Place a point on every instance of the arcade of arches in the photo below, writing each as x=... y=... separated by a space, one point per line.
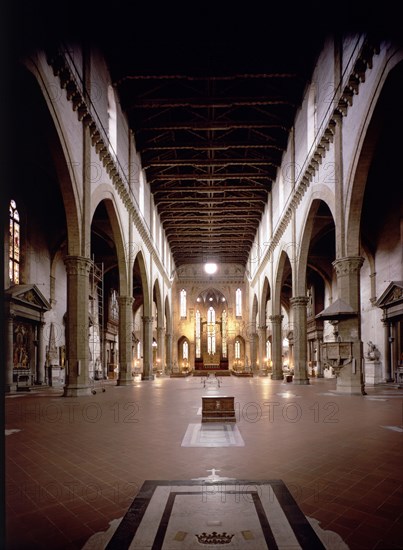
x=98 y=292
x=91 y=287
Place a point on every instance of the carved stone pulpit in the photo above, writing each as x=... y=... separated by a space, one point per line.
x=337 y=355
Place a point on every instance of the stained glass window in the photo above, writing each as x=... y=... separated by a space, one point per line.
x=198 y=334
x=237 y=349
x=185 y=352
x=224 y=333
x=14 y=244
x=238 y=302
x=211 y=330
x=114 y=306
x=183 y=302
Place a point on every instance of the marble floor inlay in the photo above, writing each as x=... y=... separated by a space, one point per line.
x=212 y=435
x=237 y=514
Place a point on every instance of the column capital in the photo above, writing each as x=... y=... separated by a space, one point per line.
x=147 y=319
x=347 y=265
x=276 y=318
x=125 y=301
x=299 y=301
x=77 y=265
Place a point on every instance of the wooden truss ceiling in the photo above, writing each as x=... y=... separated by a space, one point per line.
x=211 y=131
x=210 y=94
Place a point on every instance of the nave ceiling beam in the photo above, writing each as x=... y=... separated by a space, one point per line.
x=207 y=103
x=211 y=189
x=210 y=126
x=207 y=162
x=212 y=78
x=209 y=177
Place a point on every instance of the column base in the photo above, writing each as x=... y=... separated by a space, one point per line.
x=130 y=382
x=76 y=391
x=147 y=377
x=301 y=381
x=277 y=376
x=350 y=389
x=11 y=388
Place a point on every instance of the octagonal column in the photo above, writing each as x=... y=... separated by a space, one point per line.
x=262 y=347
x=298 y=304
x=147 y=348
x=161 y=348
x=350 y=379
x=168 y=353
x=77 y=326
x=277 y=347
x=125 y=340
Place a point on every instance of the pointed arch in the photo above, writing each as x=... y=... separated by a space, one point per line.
x=283 y=271
x=320 y=202
x=140 y=269
x=379 y=115
x=266 y=295
x=168 y=320
x=32 y=81
x=103 y=193
x=157 y=298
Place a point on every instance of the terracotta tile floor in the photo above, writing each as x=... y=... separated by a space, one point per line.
x=75 y=464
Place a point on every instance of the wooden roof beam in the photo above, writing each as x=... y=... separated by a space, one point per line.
x=222 y=163
x=207 y=103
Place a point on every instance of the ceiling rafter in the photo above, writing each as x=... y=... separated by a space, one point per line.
x=247 y=76
x=206 y=103
x=211 y=133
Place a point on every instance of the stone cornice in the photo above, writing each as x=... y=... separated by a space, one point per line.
x=362 y=63
x=80 y=104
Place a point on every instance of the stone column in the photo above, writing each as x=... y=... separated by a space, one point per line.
x=104 y=358
x=125 y=340
x=262 y=347
x=388 y=355
x=291 y=350
x=252 y=346
x=277 y=347
x=350 y=378
x=10 y=385
x=147 y=348
x=298 y=304
x=77 y=327
x=318 y=343
x=168 y=352
x=160 y=348
x=40 y=358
